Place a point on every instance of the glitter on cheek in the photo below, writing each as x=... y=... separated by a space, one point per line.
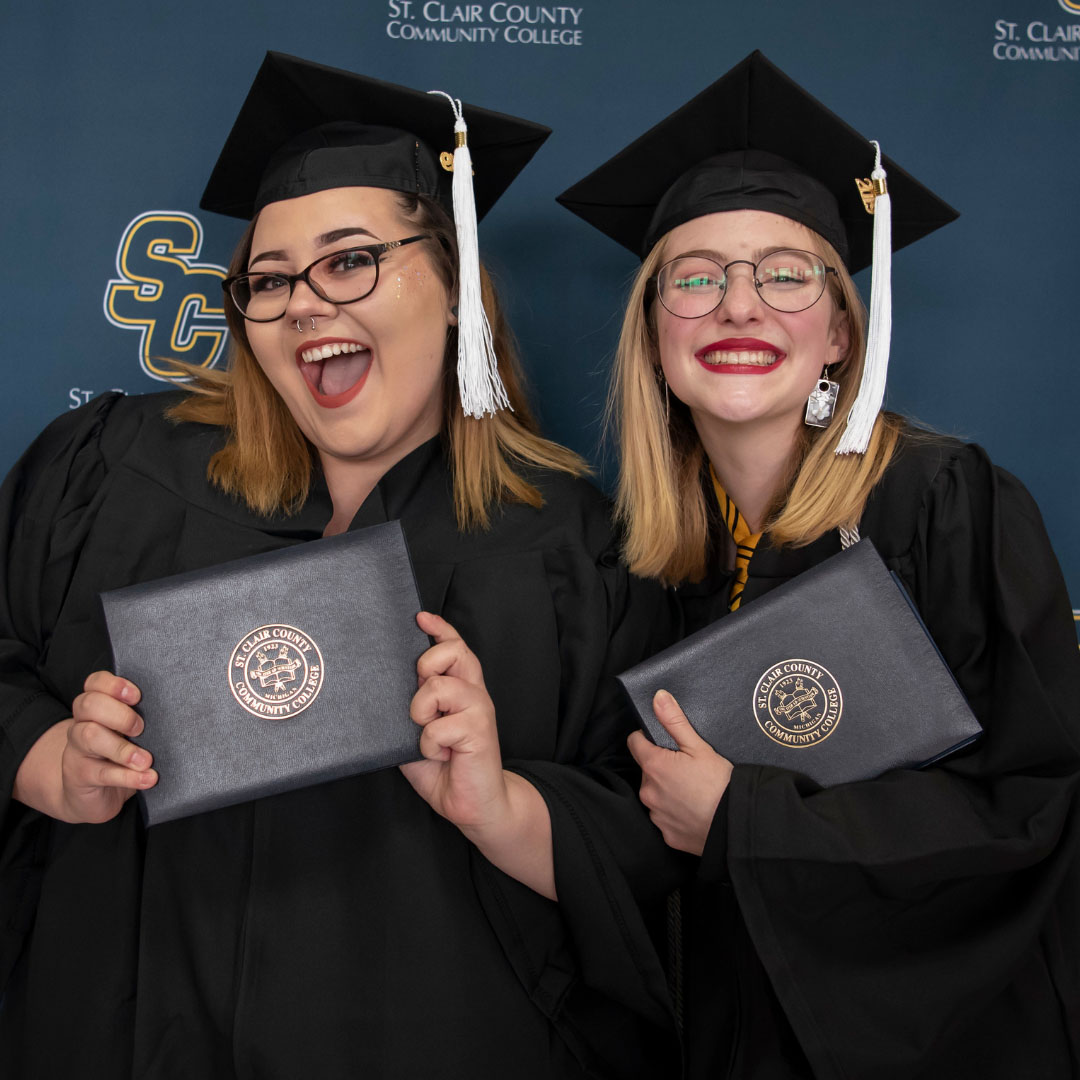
x=408 y=278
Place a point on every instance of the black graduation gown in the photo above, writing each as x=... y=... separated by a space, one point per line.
x=344 y=929
x=923 y=924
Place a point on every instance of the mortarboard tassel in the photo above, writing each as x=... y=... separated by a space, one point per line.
x=867 y=405
x=479 y=383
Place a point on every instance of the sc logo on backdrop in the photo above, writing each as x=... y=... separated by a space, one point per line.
x=174 y=301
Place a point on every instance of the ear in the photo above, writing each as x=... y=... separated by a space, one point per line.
x=839 y=337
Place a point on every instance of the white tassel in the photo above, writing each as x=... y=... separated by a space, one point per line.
x=479 y=383
x=867 y=405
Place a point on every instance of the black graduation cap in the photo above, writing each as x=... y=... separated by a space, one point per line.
x=753 y=140
x=305 y=127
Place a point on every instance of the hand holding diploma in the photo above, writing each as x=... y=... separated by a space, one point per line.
x=84 y=769
x=681 y=788
x=461 y=776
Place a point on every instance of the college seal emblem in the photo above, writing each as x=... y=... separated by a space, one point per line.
x=797 y=703
x=276 y=671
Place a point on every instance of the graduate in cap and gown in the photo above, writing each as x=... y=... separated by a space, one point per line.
x=403 y=923
x=923 y=924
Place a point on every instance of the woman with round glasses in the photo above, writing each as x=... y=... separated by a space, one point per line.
x=924 y=923
x=396 y=924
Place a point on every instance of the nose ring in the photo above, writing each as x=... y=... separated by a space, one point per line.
x=300 y=329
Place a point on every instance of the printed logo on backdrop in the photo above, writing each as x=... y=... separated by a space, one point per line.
x=484 y=24
x=164 y=293
x=1038 y=40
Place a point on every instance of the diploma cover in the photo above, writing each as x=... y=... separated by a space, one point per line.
x=272 y=672
x=832 y=675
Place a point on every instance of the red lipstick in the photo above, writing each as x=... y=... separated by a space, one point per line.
x=755 y=363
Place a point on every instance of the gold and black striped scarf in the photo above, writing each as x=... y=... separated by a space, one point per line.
x=745 y=540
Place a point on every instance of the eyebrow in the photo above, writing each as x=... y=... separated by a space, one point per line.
x=324 y=240
x=716 y=256
x=335 y=235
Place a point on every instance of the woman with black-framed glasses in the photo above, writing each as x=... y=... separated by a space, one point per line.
x=342 y=277
x=412 y=922
x=923 y=923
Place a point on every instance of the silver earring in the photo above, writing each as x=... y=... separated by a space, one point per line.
x=821 y=403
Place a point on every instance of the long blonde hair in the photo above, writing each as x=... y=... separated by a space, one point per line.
x=661 y=501
x=267 y=462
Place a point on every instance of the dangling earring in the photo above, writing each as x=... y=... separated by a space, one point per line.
x=822 y=401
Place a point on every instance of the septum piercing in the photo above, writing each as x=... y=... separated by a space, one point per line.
x=300 y=329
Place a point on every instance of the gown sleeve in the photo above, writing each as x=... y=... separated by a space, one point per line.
x=589 y=961
x=896 y=915
x=44 y=507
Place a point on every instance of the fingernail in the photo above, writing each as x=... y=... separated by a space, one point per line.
x=140 y=759
x=662 y=697
x=127 y=692
x=147 y=779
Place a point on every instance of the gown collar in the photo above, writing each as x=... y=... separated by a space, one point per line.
x=175 y=471
x=768 y=567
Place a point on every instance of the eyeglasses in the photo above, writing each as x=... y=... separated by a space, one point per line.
x=692 y=285
x=342 y=277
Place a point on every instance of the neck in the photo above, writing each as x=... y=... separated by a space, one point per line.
x=351 y=480
x=349 y=485
x=750 y=460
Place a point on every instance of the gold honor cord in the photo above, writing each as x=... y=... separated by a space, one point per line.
x=745 y=540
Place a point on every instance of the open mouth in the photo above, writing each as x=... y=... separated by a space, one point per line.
x=335 y=371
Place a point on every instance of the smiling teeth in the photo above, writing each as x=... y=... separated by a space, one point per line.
x=757 y=359
x=324 y=352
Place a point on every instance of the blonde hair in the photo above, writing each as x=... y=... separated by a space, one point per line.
x=266 y=461
x=661 y=501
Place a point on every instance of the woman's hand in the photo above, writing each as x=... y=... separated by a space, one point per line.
x=681 y=788
x=461 y=776
x=84 y=769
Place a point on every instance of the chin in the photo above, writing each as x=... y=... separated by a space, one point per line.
x=347 y=446
x=736 y=413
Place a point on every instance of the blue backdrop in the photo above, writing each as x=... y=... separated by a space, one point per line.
x=115 y=112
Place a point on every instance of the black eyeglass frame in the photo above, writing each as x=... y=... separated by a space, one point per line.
x=375 y=250
x=655 y=279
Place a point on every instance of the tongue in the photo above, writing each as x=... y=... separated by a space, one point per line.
x=341 y=373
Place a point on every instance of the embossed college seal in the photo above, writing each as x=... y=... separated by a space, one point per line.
x=797 y=703
x=276 y=671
